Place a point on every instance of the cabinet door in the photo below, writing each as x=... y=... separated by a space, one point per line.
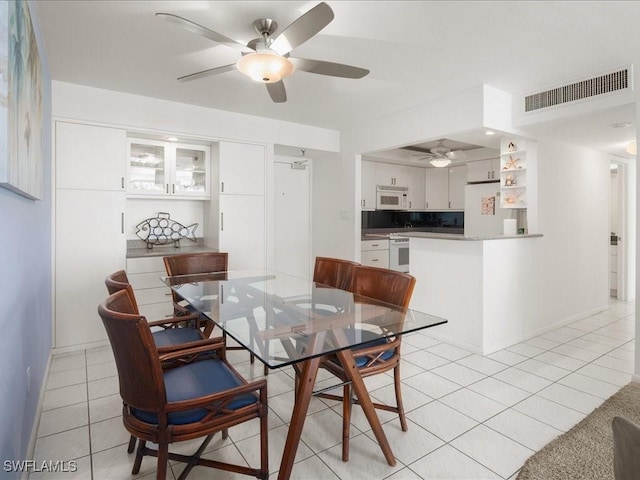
x=479 y=171
x=90 y=244
x=437 y=188
x=242 y=231
x=391 y=174
x=148 y=167
x=90 y=157
x=416 y=184
x=191 y=171
x=457 y=182
x=242 y=168
x=368 y=187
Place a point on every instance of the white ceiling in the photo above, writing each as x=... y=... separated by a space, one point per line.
x=416 y=51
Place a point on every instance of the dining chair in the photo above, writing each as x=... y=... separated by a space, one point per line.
x=334 y=272
x=193 y=263
x=196 y=263
x=171 y=333
x=381 y=353
x=195 y=398
x=167 y=335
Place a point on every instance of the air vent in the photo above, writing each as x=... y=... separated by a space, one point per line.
x=607 y=83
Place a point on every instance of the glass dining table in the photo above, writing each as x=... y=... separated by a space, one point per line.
x=285 y=320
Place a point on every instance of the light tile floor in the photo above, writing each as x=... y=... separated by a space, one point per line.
x=470 y=417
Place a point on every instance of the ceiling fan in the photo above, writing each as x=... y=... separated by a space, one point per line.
x=438 y=156
x=266 y=59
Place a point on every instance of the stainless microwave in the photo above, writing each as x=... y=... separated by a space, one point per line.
x=392 y=198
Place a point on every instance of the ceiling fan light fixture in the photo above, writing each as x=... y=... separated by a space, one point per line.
x=265 y=67
x=440 y=162
x=632 y=148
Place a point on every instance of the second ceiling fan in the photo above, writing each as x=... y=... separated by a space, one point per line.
x=266 y=59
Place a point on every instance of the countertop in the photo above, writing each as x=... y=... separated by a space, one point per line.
x=138 y=249
x=454 y=236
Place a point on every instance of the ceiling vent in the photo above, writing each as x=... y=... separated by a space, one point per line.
x=607 y=83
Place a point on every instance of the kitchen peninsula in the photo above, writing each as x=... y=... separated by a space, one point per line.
x=485 y=287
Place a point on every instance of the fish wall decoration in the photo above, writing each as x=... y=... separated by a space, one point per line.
x=161 y=230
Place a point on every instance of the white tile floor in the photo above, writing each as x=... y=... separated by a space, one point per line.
x=470 y=417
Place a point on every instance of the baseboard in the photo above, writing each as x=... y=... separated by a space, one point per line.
x=36 y=420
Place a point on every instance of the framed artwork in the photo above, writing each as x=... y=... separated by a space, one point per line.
x=488 y=206
x=21 y=98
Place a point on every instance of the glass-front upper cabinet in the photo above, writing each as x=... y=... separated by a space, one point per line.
x=164 y=169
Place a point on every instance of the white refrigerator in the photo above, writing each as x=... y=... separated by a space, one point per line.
x=483 y=216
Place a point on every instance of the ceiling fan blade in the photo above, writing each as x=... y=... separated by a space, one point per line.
x=206 y=73
x=204 y=31
x=328 y=68
x=303 y=28
x=277 y=91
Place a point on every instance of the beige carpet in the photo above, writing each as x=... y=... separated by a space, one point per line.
x=586 y=451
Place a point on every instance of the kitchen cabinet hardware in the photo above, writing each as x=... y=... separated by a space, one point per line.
x=221 y=221
x=122 y=222
x=221 y=187
x=122 y=182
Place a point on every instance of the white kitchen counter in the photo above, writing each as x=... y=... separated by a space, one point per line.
x=485 y=289
x=456 y=236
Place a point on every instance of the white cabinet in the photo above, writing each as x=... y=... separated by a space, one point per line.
x=89 y=226
x=368 y=186
x=416 y=184
x=153 y=296
x=241 y=222
x=89 y=157
x=513 y=173
x=445 y=188
x=391 y=174
x=457 y=182
x=483 y=170
x=242 y=231
x=90 y=244
x=375 y=253
x=166 y=169
x=241 y=168
x=437 y=188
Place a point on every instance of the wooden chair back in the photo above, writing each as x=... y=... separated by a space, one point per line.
x=136 y=356
x=189 y=263
x=387 y=286
x=334 y=272
x=119 y=281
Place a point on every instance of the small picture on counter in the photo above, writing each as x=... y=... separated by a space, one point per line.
x=488 y=206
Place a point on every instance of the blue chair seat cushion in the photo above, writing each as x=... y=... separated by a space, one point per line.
x=196 y=380
x=176 y=336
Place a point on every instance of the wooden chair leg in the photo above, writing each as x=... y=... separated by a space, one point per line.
x=396 y=378
x=347 y=405
x=139 y=454
x=163 y=458
x=132 y=444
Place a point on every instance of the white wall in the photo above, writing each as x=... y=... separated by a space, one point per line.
x=25 y=291
x=153 y=116
x=573 y=215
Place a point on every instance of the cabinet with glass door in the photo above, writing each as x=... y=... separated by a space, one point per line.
x=165 y=169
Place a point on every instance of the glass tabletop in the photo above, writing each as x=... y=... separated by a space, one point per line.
x=284 y=319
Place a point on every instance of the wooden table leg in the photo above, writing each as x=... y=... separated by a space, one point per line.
x=351 y=370
x=300 y=408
